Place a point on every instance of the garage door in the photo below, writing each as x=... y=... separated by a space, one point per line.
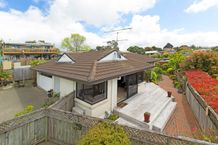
x=45 y=82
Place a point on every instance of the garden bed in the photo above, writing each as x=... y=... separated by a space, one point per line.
x=205 y=85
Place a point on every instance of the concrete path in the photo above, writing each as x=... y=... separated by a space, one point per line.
x=183 y=121
x=14 y=100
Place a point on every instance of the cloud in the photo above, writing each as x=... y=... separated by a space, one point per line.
x=33 y=25
x=201 y=5
x=147 y=32
x=2 y=4
x=63 y=18
x=98 y=12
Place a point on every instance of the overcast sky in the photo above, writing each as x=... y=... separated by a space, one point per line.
x=153 y=22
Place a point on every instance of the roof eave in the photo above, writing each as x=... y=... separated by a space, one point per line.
x=92 y=81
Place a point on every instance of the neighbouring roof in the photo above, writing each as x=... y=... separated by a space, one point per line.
x=168 y=45
x=151 y=52
x=88 y=68
x=30 y=43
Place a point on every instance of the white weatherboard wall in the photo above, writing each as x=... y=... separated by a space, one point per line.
x=56 y=84
x=65 y=58
x=66 y=86
x=113 y=56
x=99 y=109
x=46 y=83
x=59 y=85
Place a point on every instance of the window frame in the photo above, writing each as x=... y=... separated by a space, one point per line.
x=93 y=95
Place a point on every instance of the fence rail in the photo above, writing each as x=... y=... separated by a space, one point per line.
x=205 y=115
x=65 y=103
x=66 y=128
x=25 y=130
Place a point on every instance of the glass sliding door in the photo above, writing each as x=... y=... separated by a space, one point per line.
x=132 y=85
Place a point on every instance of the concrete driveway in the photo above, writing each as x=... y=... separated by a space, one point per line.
x=14 y=100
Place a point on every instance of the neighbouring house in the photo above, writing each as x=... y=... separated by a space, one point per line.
x=154 y=52
x=100 y=79
x=30 y=50
x=169 y=48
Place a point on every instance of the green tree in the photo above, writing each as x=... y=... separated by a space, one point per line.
x=86 y=48
x=105 y=134
x=204 y=60
x=175 y=60
x=110 y=45
x=136 y=49
x=113 y=44
x=75 y=43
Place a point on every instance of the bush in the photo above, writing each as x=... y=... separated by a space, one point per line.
x=26 y=110
x=113 y=117
x=177 y=84
x=158 y=70
x=4 y=75
x=147 y=75
x=210 y=135
x=206 y=61
x=170 y=70
x=164 y=66
x=105 y=134
x=154 y=77
x=173 y=77
x=36 y=62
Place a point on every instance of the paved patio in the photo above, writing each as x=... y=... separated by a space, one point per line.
x=183 y=120
x=150 y=98
x=13 y=100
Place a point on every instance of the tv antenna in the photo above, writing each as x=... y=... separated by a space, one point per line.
x=117 y=31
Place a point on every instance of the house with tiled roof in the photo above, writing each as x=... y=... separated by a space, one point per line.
x=100 y=79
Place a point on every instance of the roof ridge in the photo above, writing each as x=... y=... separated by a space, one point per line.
x=92 y=72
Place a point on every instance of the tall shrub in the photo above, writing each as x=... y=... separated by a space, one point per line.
x=105 y=134
x=204 y=60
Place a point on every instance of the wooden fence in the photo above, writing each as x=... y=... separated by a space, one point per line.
x=205 y=115
x=66 y=128
x=22 y=73
x=66 y=103
x=25 y=130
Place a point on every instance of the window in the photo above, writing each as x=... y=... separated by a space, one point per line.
x=140 y=77
x=132 y=79
x=46 y=75
x=91 y=94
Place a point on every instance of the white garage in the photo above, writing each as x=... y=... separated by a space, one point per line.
x=44 y=81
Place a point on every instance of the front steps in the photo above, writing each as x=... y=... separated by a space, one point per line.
x=151 y=98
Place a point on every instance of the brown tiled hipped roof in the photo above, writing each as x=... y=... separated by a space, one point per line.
x=88 y=69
